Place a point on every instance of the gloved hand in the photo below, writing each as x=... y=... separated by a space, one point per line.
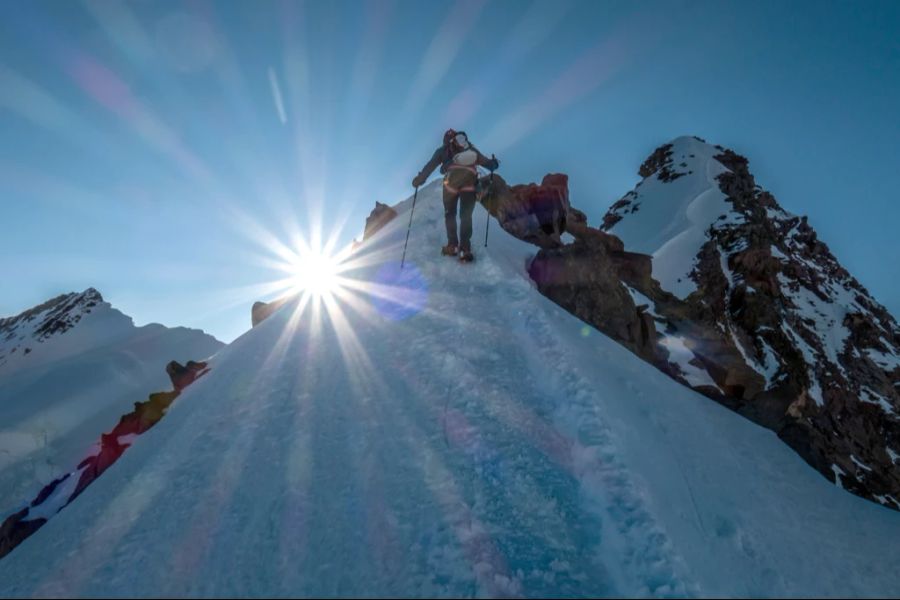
x=494 y=164
x=418 y=180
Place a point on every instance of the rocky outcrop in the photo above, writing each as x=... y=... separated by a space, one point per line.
x=380 y=216
x=660 y=165
x=62 y=491
x=534 y=213
x=16 y=529
x=263 y=310
x=588 y=277
x=183 y=376
x=775 y=329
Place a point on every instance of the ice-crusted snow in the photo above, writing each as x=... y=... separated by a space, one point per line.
x=640 y=299
x=838 y=473
x=778 y=214
x=894 y=456
x=887 y=500
x=825 y=316
x=870 y=396
x=749 y=360
x=480 y=446
x=726 y=270
x=888 y=362
x=769 y=365
x=860 y=464
x=809 y=356
x=815 y=390
x=682 y=356
x=771 y=362
x=672 y=223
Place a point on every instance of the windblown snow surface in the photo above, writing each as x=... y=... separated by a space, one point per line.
x=674 y=234
x=474 y=441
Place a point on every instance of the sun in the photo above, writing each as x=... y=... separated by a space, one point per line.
x=315 y=272
x=311 y=266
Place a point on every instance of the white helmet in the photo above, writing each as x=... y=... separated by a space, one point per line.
x=462 y=139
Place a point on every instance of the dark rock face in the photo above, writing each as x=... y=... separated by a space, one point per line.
x=262 y=310
x=586 y=278
x=183 y=376
x=834 y=397
x=380 y=216
x=15 y=530
x=660 y=164
x=534 y=213
x=18 y=527
x=790 y=338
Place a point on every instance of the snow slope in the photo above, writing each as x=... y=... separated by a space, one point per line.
x=473 y=440
x=75 y=383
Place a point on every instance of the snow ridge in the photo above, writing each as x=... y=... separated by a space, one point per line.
x=675 y=208
x=469 y=438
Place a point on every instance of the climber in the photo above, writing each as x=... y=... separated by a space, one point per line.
x=459 y=161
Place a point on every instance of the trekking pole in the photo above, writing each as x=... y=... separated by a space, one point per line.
x=490 y=187
x=408 y=227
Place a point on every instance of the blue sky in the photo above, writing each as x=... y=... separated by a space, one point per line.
x=154 y=149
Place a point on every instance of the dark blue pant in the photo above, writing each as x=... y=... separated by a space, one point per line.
x=466 y=201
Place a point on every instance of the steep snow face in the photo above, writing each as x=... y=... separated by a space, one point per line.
x=69 y=369
x=451 y=432
x=676 y=206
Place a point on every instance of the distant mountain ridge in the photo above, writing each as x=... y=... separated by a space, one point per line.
x=36 y=325
x=69 y=368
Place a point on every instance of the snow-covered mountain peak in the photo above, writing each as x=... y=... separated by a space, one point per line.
x=767 y=311
x=55 y=315
x=677 y=201
x=678 y=158
x=38 y=331
x=70 y=324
